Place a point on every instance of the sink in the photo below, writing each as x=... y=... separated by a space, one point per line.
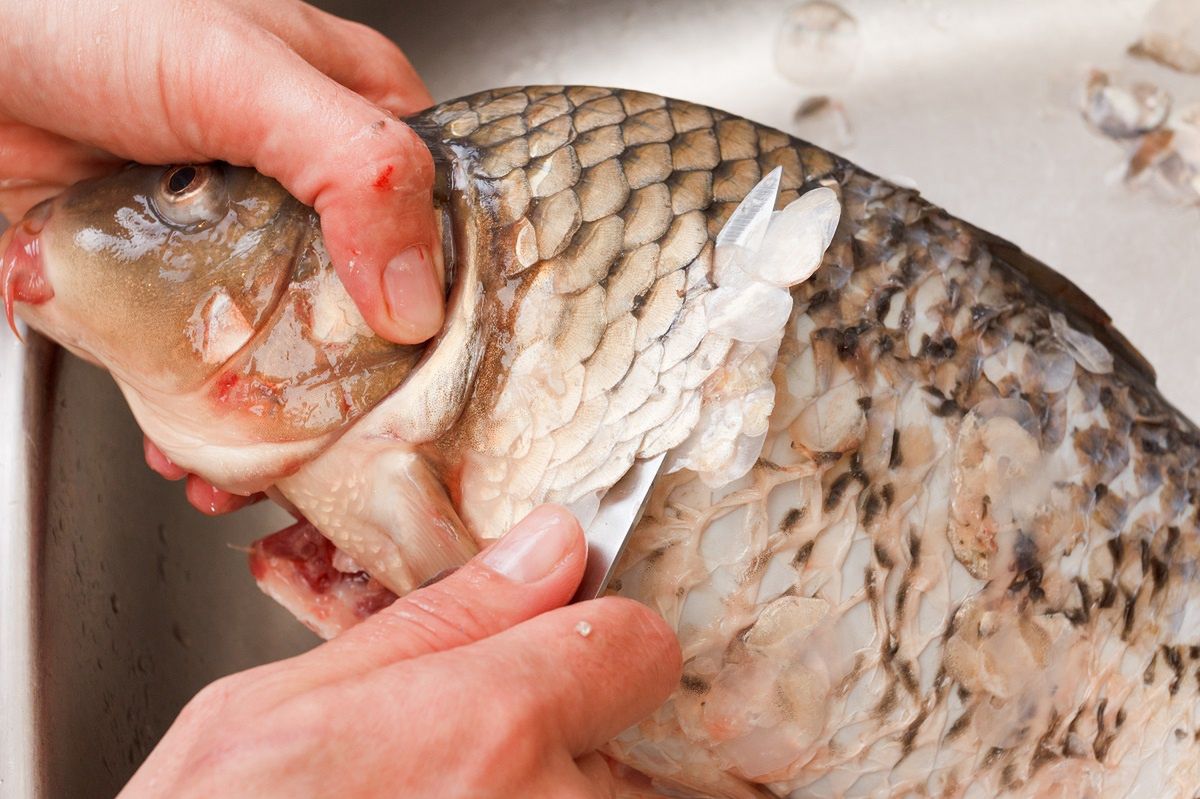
x=118 y=601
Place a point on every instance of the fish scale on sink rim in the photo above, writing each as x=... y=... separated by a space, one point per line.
x=965 y=562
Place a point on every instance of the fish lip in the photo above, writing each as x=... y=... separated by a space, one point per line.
x=22 y=272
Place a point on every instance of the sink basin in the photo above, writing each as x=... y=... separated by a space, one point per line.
x=118 y=602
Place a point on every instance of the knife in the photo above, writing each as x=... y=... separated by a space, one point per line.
x=622 y=506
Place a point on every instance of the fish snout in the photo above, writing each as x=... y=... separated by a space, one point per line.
x=22 y=274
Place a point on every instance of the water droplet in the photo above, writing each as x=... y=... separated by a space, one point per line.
x=818 y=45
x=583 y=628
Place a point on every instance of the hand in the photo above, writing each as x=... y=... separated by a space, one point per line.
x=460 y=689
x=302 y=96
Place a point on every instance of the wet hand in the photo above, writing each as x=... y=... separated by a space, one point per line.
x=301 y=95
x=481 y=685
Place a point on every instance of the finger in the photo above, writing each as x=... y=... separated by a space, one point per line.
x=213 y=501
x=597 y=774
x=35 y=165
x=32 y=154
x=535 y=568
x=577 y=675
x=367 y=174
x=157 y=460
x=356 y=56
x=17 y=197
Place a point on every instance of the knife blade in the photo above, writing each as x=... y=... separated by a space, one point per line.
x=622 y=506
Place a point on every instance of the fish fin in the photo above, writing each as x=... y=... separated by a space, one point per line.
x=299 y=568
x=385 y=506
x=1081 y=309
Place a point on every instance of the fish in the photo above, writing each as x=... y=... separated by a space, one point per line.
x=927 y=527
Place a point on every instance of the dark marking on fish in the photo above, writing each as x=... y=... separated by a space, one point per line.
x=803 y=553
x=1029 y=569
x=638 y=303
x=1130 y=607
x=1175 y=660
x=1082 y=614
x=960 y=725
x=1148 y=674
x=837 y=490
x=895 y=458
x=791 y=518
x=822 y=297
x=856 y=469
x=994 y=754
x=869 y=585
x=865 y=403
x=905 y=672
x=884 y=302
x=888 y=702
x=1108 y=594
x=847 y=343
x=1116 y=548
x=882 y=556
x=909 y=736
x=827 y=456
x=871 y=508
x=757 y=565
x=1172 y=541
x=901 y=598
x=1008 y=776
x=888 y=494
x=914 y=547
x=1144 y=547
x=1158 y=573
x=694 y=684
x=948 y=408
x=940 y=349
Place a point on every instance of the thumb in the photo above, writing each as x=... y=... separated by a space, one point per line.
x=534 y=568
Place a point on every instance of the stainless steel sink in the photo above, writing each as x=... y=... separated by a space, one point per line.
x=118 y=602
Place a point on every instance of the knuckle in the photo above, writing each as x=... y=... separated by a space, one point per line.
x=215 y=700
x=439 y=616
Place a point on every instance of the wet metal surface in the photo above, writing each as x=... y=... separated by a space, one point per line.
x=118 y=602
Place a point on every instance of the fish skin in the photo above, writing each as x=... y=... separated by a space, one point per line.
x=917 y=589
x=965 y=563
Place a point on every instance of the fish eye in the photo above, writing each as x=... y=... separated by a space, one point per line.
x=190 y=196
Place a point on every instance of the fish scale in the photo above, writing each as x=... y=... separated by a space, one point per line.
x=964 y=563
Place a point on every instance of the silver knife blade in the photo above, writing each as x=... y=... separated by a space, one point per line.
x=622 y=506
x=620 y=510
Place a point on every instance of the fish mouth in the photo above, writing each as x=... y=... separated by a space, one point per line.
x=22 y=275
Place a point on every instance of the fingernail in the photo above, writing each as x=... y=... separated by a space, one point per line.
x=534 y=547
x=413 y=294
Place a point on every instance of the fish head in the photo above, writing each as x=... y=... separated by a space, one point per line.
x=158 y=274
x=207 y=292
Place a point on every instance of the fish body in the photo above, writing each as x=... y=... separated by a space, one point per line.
x=933 y=536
